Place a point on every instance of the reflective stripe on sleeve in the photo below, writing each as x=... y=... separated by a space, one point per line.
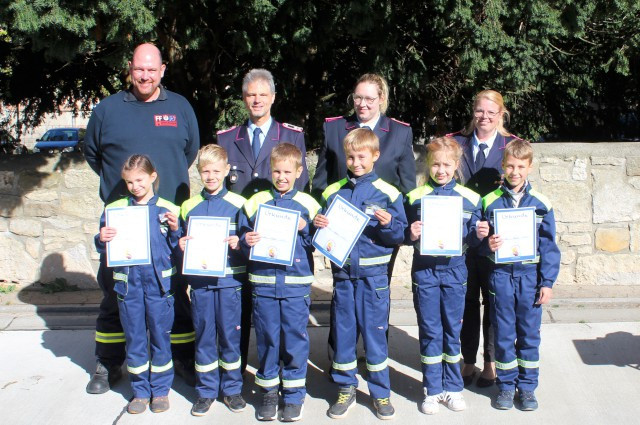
x=261 y=279
x=236 y=270
x=298 y=279
x=120 y=276
x=375 y=260
x=169 y=273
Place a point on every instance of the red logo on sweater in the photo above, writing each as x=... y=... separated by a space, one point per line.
x=165 y=120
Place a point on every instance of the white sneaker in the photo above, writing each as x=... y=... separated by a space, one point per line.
x=454 y=401
x=430 y=403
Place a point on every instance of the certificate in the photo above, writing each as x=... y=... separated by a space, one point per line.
x=346 y=224
x=131 y=245
x=517 y=227
x=441 y=218
x=206 y=253
x=278 y=228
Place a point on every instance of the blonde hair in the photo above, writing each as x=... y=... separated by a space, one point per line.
x=361 y=138
x=286 y=152
x=143 y=163
x=448 y=145
x=496 y=98
x=210 y=154
x=519 y=149
x=383 y=88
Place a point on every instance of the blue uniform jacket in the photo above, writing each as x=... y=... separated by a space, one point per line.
x=372 y=252
x=222 y=204
x=547 y=263
x=275 y=280
x=249 y=176
x=395 y=166
x=472 y=212
x=164 y=242
x=489 y=177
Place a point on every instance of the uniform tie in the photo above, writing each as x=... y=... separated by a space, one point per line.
x=367 y=127
x=480 y=157
x=255 y=143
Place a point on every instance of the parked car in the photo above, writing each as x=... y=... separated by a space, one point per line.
x=60 y=139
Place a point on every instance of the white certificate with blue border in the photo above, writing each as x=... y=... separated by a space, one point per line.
x=517 y=228
x=205 y=254
x=346 y=224
x=131 y=245
x=441 y=218
x=278 y=229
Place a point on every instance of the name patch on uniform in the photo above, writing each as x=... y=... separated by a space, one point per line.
x=165 y=120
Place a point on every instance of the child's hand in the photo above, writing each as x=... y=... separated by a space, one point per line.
x=383 y=217
x=172 y=220
x=495 y=242
x=233 y=241
x=320 y=221
x=482 y=229
x=301 y=223
x=545 y=295
x=252 y=238
x=107 y=234
x=415 y=231
x=182 y=242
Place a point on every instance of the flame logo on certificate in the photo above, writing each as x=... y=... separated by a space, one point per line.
x=440 y=244
x=515 y=251
x=272 y=251
x=203 y=264
x=330 y=245
x=127 y=254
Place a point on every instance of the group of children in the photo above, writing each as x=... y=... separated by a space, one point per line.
x=360 y=304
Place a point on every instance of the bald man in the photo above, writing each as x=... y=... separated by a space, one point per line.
x=145 y=119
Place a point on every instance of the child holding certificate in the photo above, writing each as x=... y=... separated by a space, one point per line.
x=145 y=301
x=281 y=291
x=216 y=301
x=439 y=280
x=360 y=303
x=519 y=288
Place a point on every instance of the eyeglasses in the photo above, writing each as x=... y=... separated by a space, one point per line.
x=479 y=113
x=357 y=99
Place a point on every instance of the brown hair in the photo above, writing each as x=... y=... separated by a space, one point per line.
x=210 y=154
x=361 y=138
x=383 y=88
x=519 y=149
x=143 y=163
x=286 y=152
x=496 y=98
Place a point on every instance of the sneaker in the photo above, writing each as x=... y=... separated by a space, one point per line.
x=528 y=400
x=292 y=412
x=346 y=400
x=235 y=403
x=454 y=401
x=104 y=377
x=384 y=409
x=504 y=401
x=160 y=404
x=137 y=405
x=269 y=408
x=430 y=403
x=201 y=406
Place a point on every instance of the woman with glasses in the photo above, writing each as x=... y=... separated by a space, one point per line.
x=482 y=141
x=396 y=164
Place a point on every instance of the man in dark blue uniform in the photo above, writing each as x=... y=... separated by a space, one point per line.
x=146 y=119
x=249 y=149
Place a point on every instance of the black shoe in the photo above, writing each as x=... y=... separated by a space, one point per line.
x=384 y=409
x=346 y=400
x=201 y=406
x=103 y=379
x=504 y=401
x=484 y=382
x=292 y=412
x=528 y=401
x=269 y=408
x=235 y=403
x=185 y=368
x=468 y=379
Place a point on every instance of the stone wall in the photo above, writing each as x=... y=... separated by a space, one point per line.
x=49 y=211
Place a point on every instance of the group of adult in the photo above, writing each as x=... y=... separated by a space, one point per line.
x=149 y=119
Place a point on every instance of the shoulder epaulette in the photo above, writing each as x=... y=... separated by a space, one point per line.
x=387 y=189
x=329 y=119
x=455 y=133
x=541 y=198
x=251 y=206
x=227 y=130
x=236 y=200
x=190 y=204
x=490 y=198
x=401 y=122
x=308 y=202
x=292 y=127
x=467 y=193
x=418 y=193
x=333 y=188
x=123 y=202
x=168 y=205
x=514 y=137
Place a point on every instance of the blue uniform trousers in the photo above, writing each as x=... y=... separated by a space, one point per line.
x=216 y=320
x=143 y=308
x=286 y=318
x=515 y=317
x=438 y=298
x=361 y=306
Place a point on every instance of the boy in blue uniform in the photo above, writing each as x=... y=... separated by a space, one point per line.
x=216 y=302
x=360 y=302
x=282 y=293
x=519 y=289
